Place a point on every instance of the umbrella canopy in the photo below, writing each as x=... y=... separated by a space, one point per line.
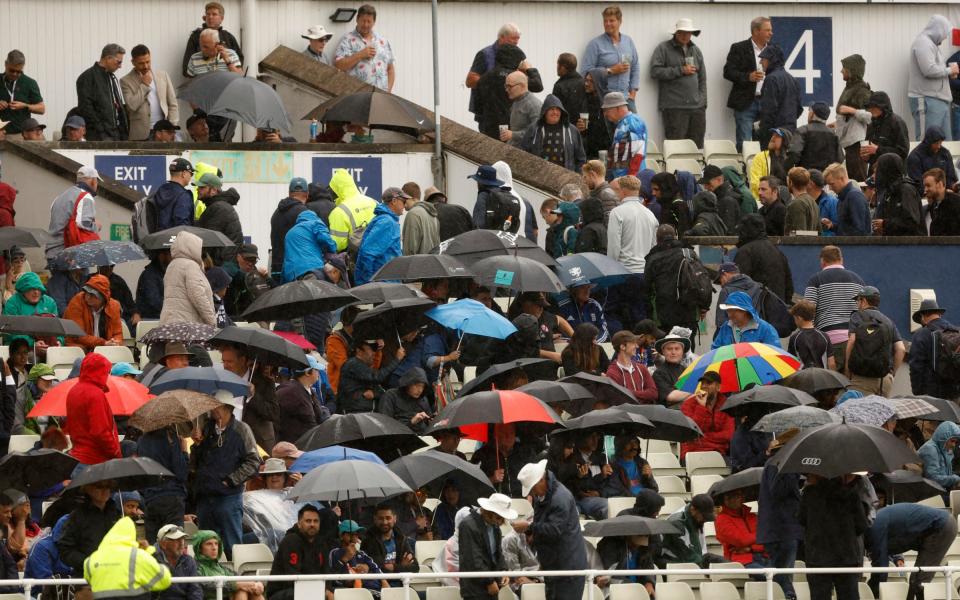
x=603 y=389
x=164 y=239
x=39 y=326
x=815 y=380
x=834 y=450
x=392 y=317
x=609 y=421
x=128 y=474
x=669 y=425
x=590 y=267
x=747 y=480
x=36 y=470
x=417 y=267
x=205 y=380
x=423 y=468
x=372 y=432
x=297 y=340
x=124 y=396
x=912 y=407
x=553 y=392
x=470 y=316
x=904 y=485
x=630 y=525
x=869 y=410
x=231 y=95
x=25 y=237
x=477 y=244
x=376 y=110
x=739 y=365
x=309 y=461
x=348 y=480
x=170 y=408
x=772 y=397
x=516 y=273
x=944 y=410
x=795 y=417
x=376 y=292
x=98 y=253
x=262 y=345
x=485 y=378
x=179 y=331
x=298 y=299
x=492 y=407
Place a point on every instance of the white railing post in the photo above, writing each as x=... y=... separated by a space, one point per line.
x=590 y=577
x=768 y=573
x=26 y=591
x=947 y=581
x=406 y=587
x=220 y=587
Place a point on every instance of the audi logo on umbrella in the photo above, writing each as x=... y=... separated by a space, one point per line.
x=810 y=461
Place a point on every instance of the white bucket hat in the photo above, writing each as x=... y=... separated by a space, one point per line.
x=500 y=504
x=317 y=32
x=686 y=25
x=530 y=475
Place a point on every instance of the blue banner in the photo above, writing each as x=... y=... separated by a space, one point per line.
x=142 y=173
x=367 y=171
x=807 y=44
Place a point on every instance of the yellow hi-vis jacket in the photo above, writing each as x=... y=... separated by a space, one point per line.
x=121 y=569
x=353 y=209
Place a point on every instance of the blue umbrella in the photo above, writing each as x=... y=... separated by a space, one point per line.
x=590 y=267
x=470 y=316
x=309 y=461
x=206 y=380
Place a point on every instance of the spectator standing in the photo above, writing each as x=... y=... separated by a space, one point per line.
x=213 y=14
x=317 y=38
x=943 y=205
x=593 y=233
x=306 y=247
x=815 y=146
x=704 y=408
x=453 y=219
x=674 y=210
x=852 y=116
x=728 y=200
x=300 y=409
x=100 y=98
x=780 y=96
x=928 y=87
x=421 y=226
x=886 y=133
x=365 y=54
x=594 y=176
x=149 y=94
x=773 y=209
x=772 y=161
x=73 y=214
x=826 y=201
x=660 y=272
x=302 y=551
x=90 y=422
x=802 y=213
x=834 y=290
x=596 y=131
x=524 y=109
x=616 y=53
x=872 y=364
x=166 y=502
x=629 y=146
x=352 y=212
x=284 y=218
x=381 y=239
x=481 y=545
x=631 y=234
x=20 y=96
x=853 y=212
x=187 y=296
x=97 y=314
x=677 y=65
x=150 y=285
x=931 y=154
x=924 y=378
x=743 y=324
x=119 y=568
x=706 y=219
x=220 y=215
x=171 y=553
x=742 y=68
x=485 y=59
x=777 y=526
x=173 y=201
x=807 y=343
x=553 y=138
x=899 y=211
x=569 y=87
x=492 y=100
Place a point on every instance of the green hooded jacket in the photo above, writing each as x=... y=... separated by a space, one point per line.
x=210 y=567
x=17 y=305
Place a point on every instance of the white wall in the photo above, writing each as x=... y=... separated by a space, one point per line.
x=74 y=32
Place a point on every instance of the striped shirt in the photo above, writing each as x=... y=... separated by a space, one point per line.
x=833 y=290
x=200 y=64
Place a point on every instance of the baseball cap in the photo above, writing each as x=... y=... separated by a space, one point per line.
x=171 y=532
x=298 y=184
x=868 y=292
x=777 y=132
x=210 y=180
x=165 y=125
x=317 y=32
x=75 y=122
x=249 y=250
x=42 y=371
x=351 y=527
x=613 y=100
x=180 y=164
x=710 y=172
x=704 y=505
x=124 y=368
x=392 y=193
x=727 y=268
x=87 y=173
x=30 y=124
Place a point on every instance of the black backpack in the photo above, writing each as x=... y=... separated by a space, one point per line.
x=946 y=355
x=503 y=211
x=774 y=310
x=694 y=283
x=871 y=355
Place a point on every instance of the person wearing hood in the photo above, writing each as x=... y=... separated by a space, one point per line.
x=31 y=299
x=772 y=161
x=8 y=196
x=220 y=215
x=815 y=146
x=73 y=214
x=187 y=296
x=937 y=454
x=852 y=116
x=899 y=211
x=90 y=423
x=743 y=324
x=663 y=264
x=528 y=218
x=300 y=410
x=596 y=131
x=592 y=236
x=208 y=550
x=43 y=561
x=120 y=291
x=305 y=246
x=931 y=154
x=174 y=203
x=706 y=219
x=563 y=218
x=421 y=225
x=320 y=201
x=97 y=314
x=284 y=218
x=120 y=568
x=352 y=213
x=492 y=103
x=928 y=86
x=553 y=138
x=678 y=67
x=886 y=133
x=674 y=210
x=408 y=402
x=165 y=503
x=381 y=239
x=150 y=284
x=780 y=105
x=802 y=212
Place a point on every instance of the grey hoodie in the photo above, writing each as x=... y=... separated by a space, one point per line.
x=929 y=73
x=421 y=229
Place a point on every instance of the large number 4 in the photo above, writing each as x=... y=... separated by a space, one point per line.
x=808 y=73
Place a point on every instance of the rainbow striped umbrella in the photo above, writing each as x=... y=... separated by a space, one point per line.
x=739 y=365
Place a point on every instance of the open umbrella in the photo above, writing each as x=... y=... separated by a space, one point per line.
x=25 y=237
x=392 y=317
x=375 y=109
x=297 y=339
x=911 y=407
x=747 y=480
x=164 y=239
x=298 y=299
x=795 y=417
x=39 y=326
x=834 y=450
x=35 y=470
x=486 y=378
x=179 y=331
x=739 y=365
x=869 y=410
x=516 y=273
x=553 y=392
x=417 y=267
x=472 y=413
x=98 y=253
x=236 y=97
x=348 y=480
x=372 y=432
x=770 y=397
x=472 y=246
x=904 y=485
x=815 y=379
x=590 y=267
x=312 y=459
x=171 y=408
x=262 y=345
x=470 y=316
x=669 y=425
x=628 y=525
x=134 y=473
x=608 y=421
x=124 y=396
x=944 y=410
x=420 y=469
x=376 y=292
x=205 y=380
x=604 y=390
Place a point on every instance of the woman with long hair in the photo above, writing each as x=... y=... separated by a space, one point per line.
x=583 y=353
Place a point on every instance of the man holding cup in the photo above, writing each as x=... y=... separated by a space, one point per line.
x=742 y=68
x=616 y=53
x=677 y=65
x=365 y=54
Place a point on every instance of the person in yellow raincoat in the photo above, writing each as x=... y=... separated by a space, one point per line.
x=353 y=210
x=120 y=568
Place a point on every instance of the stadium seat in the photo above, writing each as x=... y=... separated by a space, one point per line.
x=953 y=552
x=398 y=593
x=663 y=463
x=503 y=302
x=706 y=463
x=62 y=357
x=936 y=591
x=953 y=147
x=4 y=352
x=216 y=357
x=607 y=347
x=592 y=540
x=802 y=589
x=143 y=327
x=699 y=484
x=505 y=594
x=719 y=590
x=799 y=564
x=750 y=149
x=757 y=590
x=865 y=592
x=247 y=558
x=693 y=580
x=671 y=505
x=736 y=578
x=681 y=149
x=351 y=593
x=617 y=504
x=533 y=591
x=427 y=550
x=955 y=502
x=115 y=354
x=654 y=157
x=913 y=145
x=655 y=446
x=720 y=149
x=628 y=591
x=671 y=485
x=469 y=373
x=895 y=590
x=934 y=502
x=468 y=447
x=596 y=595
x=722 y=163
x=22 y=443
x=443 y=593
x=674 y=590
x=691 y=165
x=522 y=506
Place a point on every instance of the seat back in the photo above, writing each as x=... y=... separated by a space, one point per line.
x=533 y=591
x=757 y=590
x=351 y=593
x=706 y=463
x=115 y=354
x=737 y=578
x=699 y=484
x=719 y=590
x=522 y=506
x=671 y=505
x=596 y=594
x=619 y=503
x=865 y=592
x=628 y=591
x=665 y=463
x=63 y=357
x=720 y=149
x=674 y=590
x=247 y=558
x=443 y=593
x=681 y=149
x=22 y=442
x=691 y=165
x=398 y=593
x=895 y=590
x=693 y=580
x=671 y=485
x=427 y=550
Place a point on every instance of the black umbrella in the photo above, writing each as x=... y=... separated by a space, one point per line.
x=904 y=485
x=348 y=480
x=373 y=432
x=39 y=326
x=298 y=299
x=770 y=397
x=417 y=267
x=472 y=246
x=747 y=480
x=376 y=110
x=591 y=267
x=603 y=389
x=393 y=317
x=99 y=253
x=376 y=292
x=177 y=331
x=25 y=237
x=421 y=469
x=236 y=97
x=553 y=392
x=815 y=380
x=516 y=273
x=35 y=470
x=608 y=421
x=627 y=525
x=162 y=240
x=128 y=474
x=947 y=410
x=834 y=450
x=483 y=379
x=670 y=425
x=262 y=345
x=204 y=380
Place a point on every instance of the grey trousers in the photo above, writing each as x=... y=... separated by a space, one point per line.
x=930 y=553
x=684 y=124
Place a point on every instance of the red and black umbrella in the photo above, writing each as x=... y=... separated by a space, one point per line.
x=473 y=412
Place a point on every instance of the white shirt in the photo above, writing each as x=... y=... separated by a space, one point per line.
x=156 y=113
x=756 y=56
x=631 y=233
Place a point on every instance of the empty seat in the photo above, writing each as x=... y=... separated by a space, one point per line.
x=63 y=356
x=216 y=357
x=953 y=147
x=691 y=165
x=692 y=579
x=505 y=594
x=719 y=590
x=953 y=552
x=699 y=484
x=22 y=443
x=651 y=446
x=663 y=463
x=721 y=163
x=427 y=550
x=533 y=591
x=443 y=593
x=4 y=352
x=895 y=590
x=865 y=592
x=615 y=505
x=115 y=354
x=628 y=591
x=706 y=463
x=247 y=558
x=674 y=590
x=351 y=594
x=757 y=590
x=720 y=149
x=936 y=591
x=671 y=505
x=597 y=593
x=802 y=589
x=397 y=593
x=671 y=485
x=750 y=149
x=734 y=577
x=681 y=149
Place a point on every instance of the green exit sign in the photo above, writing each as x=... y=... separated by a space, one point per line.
x=120 y=232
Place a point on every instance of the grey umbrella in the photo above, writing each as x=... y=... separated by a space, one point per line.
x=795 y=417
x=630 y=525
x=348 y=480
x=164 y=239
x=237 y=97
x=25 y=237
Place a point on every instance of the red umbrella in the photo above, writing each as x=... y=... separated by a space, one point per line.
x=124 y=396
x=473 y=412
x=297 y=339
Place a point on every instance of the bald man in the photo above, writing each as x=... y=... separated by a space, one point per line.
x=524 y=108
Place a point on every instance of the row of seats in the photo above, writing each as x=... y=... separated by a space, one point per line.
x=684 y=155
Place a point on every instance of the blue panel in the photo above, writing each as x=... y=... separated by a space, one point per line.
x=807 y=44
x=142 y=173
x=367 y=171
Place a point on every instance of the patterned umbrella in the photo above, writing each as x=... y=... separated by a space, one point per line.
x=911 y=406
x=795 y=417
x=187 y=333
x=98 y=254
x=944 y=410
x=740 y=365
x=170 y=408
x=869 y=410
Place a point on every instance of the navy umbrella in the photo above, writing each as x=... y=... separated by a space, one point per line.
x=98 y=253
x=206 y=380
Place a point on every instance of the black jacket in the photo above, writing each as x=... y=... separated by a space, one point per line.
x=355 y=378
x=760 y=258
x=320 y=201
x=888 y=131
x=220 y=215
x=95 y=98
x=599 y=134
x=84 y=532
x=193 y=46
x=614 y=553
x=774 y=217
x=569 y=90
x=283 y=219
x=296 y=555
x=298 y=411
x=150 y=291
x=706 y=219
x=492 y=103
x=815 y=146
x=399 y=405
x=666 y=377
x=921 y=159
x=945 y=215
x=454 y=220
x=898 y=202
x=475 y=555
x=675 y=212
x=833 y=519
x=557 y=537
x=373 y=546
x=593 y=233
x=728 y=205
x=923 y=379
x=780 y=95
x=488 y=461
x=120 y=291
x=661 y=272
x=261 y=410
x=741 y=61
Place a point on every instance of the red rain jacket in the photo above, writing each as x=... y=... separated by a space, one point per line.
x=90 y=423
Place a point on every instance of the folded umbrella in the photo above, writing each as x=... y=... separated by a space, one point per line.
x=670 y=425
x=747 y=480
x=231 y=95
x=815 y=379
x=628 y=525
x=423 y=468
x=770 y=397
x=944 y=410
x=486 y=378
x=312 y=459
x=39 y=326
x=205 y=380
x=591 y=268
x=98 y=253
x=376 y=292
x=471 y=246
x=25 y=237
x=516 y=273
x=372 y=432
x=171 y=408
x=739 y=365
x=609 y=421
x=298 y=299
x=124 y=396
x=128 y=474
x=472 y=413
x=36 y=470
x=417 y=267
x=393 y=317
x=604 y=390
x=164 y=239
x=179 y=331
x=553 y=392
x=904 y=485
x=470 y=316
x=795 y=417
x=348 y=480
x=264 y=346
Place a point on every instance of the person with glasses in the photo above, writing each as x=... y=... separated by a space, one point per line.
x=171 y=547
x=19 y=95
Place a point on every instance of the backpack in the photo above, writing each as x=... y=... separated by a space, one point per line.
x=748 y=204
x=694 y=283
x=145 y=219
x=946 y=355
x=503 y=211
x=871 y=355
x=774 y=310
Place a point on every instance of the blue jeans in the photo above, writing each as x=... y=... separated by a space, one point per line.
x=594 y=507
x=928 y=112
x=745 y=120
x=782 y=556
x=955 y=121
x=223 y=514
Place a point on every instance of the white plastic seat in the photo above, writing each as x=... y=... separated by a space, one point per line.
x=597 y=592
x=63 y=357
x=699 y=484
x=706 y=463
x=619 y=503
x=443 y=593
x=736 y=578
x=427 y=550
x=933 y=501
x=936 y=591
x=628 y=591
x=505 y=594
x=22 y=442
x=710 y=532
x=247 y=558
x=953 y=552
x=681 y=149
x=721 y=162
x=653 y=157
x=674 y=590
x=671 y=485
x=431 y=504
x=757 y=590
x=670 y=506
x=397 y=593
x=4 y=352
x=144 y=327
x=351 y=593
x=115 y=354
x=216 y=357
x=690 y=165
x=953 y=147
x=895 y=590
x=655 y=446
x=533 y=591
x=663 y=463
x=865 y=592
x=720 y=149
x=719 y=590
x=750 y=149
x=802 y=589
x=692 y=580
